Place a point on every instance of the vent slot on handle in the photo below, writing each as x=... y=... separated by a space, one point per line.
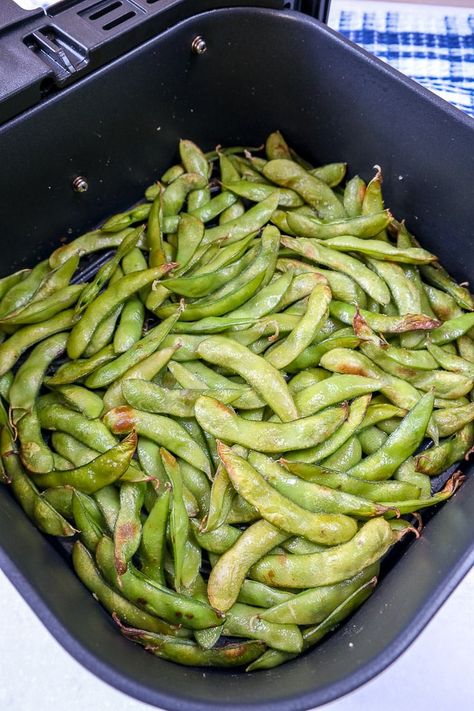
x=109 y=14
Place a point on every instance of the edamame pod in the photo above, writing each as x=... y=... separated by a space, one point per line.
x=309 y=495
x=266 y=380
x=104 y=305
x=153 y=597
x=113 y=602
x=278 y=510
x=399 y=445
x=100 y=472
x=229 y=573
x=160 y=429
x=338 y=563
x=315 y=192
x=312 y=606
x=190 y=654
x=223 y=423
x=315 y=252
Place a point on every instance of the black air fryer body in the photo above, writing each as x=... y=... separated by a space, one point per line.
x=116 y=120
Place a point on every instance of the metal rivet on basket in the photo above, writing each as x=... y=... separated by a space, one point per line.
x=80 y=184
x=199 y=45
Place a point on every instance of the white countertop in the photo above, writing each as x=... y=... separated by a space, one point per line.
x=434 y=674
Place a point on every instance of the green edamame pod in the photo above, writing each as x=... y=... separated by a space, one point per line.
x=333 y=390
x=362 y=226
x=145 y=369
x=304 y=333
x=103 y=334
x=407 y=473
x=108 y=501
x=153 y=597
x=309 y=495
x=223 y=423
x=372 y=490
x=437 y=276
x=124 y=219
x=343 y=360
x=449 y=331
x=220 y=501
x=175 y=193
x=107 y=270
x=250 y=221
x=27 y=336
x=178 y=403
x=217 y=306
x=354 y=196
x=399 y=445
x=451 y=362
x=256 y=192
x=380 y=250
x=105 y=304
x=338 y=563
x=371 y=439
x=357 y=411
x=244 y=620
x=315 y=192
x=179 y=524
x=88 y=519
x=130 y=326
x=213 y=207
x=35 y=454
x=21 y=293
x=349 y=454
x=219 y=540
x=43 y=309
x=436 y=459
x=101 y=471
x=128 y=526
x=426 y=500
x=89 y=243
x=261 y=375
x=78 y=453
x=278 y=510
x=231 y=569
x=260 y=595
x=110 y=371
x=160 y=429
x=276 y=147
x=312 y=606
x=331 y=173
x=75 y=370
x=232 y=213
x=113 y=602
x=187 y=653
x=60 y=498
x=78 y=398
x=381 y=323
x=11 y=280
x=153 y=541
x=37 y=508
x=315 y=252
x=312 y=635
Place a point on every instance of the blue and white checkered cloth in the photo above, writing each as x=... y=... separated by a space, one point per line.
x=433 y=45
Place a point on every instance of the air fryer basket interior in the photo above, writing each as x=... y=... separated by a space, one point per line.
x=119 y=129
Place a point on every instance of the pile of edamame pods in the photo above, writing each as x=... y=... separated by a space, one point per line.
x=234 y=397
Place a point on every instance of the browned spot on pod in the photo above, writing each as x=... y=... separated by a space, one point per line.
x=120 y=419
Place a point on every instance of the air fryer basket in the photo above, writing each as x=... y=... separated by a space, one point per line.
x=119 y=128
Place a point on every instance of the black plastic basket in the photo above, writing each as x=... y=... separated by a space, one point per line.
x=118 y=125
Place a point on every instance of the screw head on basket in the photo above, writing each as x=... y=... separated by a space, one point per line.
x=198 y=45
x=80 y=184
